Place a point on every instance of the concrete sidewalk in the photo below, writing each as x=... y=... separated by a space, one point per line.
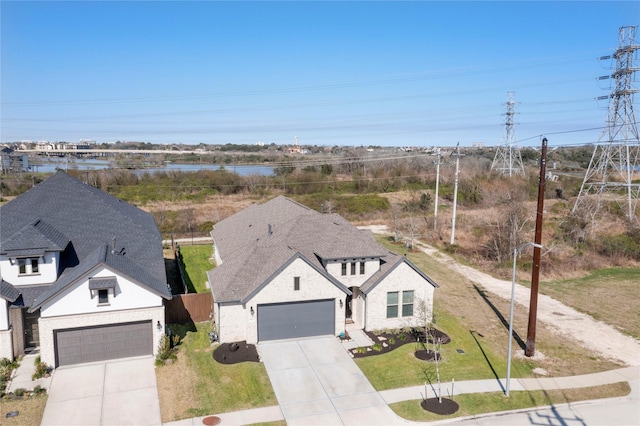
x=627 y=374
x=22 y=376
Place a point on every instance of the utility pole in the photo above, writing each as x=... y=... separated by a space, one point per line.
x=614 y=167
x=435 y=211
x=455 y=194
x=537 y=245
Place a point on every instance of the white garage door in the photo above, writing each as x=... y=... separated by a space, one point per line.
x=299 y=319
x=100 y=343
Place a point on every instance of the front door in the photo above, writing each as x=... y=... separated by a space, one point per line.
x=31 y=333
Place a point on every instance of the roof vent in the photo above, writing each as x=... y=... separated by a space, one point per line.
x=270 y=230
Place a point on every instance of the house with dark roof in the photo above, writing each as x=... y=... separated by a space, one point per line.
x=82 y=275
x=286 y=271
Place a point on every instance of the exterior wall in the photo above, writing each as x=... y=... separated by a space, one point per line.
x=47 y=271
x=313 y=286
x=401 y=279
x=15 y=319
x=6 y=344
x=233 y=321
x=47 y=325
x=4 y=315
x=335 y=270
x=78 y=299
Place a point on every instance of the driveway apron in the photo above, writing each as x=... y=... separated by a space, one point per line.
x=317 y=383
x=118 y=392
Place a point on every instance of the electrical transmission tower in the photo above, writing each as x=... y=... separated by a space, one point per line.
x=508 y=160
x=615 y=164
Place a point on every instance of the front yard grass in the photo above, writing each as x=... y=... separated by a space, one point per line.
x=196 y=261
x=30 y=410
x=472 y=404
x=196 y=385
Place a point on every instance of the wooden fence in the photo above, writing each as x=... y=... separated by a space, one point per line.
x=185 y=308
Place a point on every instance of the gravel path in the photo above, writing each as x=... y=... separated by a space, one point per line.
x=564 y=320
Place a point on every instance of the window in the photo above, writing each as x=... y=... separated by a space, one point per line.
x=353 y=268
x=344 y=268
x=296 y=283
x=407 y=303
x=22 y=266
x=103 y=296
x=392 y=304
x=361 y=268
x=34 y=266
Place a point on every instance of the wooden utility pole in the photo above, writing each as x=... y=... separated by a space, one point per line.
x=435 y=211
x=535 y=275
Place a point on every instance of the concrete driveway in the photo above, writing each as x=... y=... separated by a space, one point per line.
x=118 y=392
x=318 y=383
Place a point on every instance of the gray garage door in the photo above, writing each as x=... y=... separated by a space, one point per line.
x=89 y=344
x=299 y=319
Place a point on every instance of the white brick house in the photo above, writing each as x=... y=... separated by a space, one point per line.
x=286 y=271
x=82 y=275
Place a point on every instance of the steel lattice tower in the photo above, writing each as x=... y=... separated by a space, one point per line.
x=614 y=165
x=508 y=160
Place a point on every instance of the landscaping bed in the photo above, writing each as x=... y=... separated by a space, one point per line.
x=236 y=352
x=388 y=340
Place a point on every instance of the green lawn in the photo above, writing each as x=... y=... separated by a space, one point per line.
x=195 y=263
x=197 y=385
x=471 y=404
x=400 y=368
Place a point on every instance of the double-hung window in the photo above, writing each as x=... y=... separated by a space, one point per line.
x=392 y=304
x=353 y=268
x=362 y=268
x=407 y=303
x=22 y=266
x=344 y=268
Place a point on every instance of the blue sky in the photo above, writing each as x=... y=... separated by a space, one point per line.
x=418 y=73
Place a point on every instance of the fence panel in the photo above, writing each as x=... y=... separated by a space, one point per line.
x=193 y=307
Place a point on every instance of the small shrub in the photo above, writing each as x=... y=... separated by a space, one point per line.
x=165 y=351
x=392 y=341
x=41 y=369
x=20 y=392
x=402 y=336
x=377 y=347
x=39 y=390
x=361 y=350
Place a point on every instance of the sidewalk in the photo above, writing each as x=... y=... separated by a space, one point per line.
x=627 y=374
x=21 y=377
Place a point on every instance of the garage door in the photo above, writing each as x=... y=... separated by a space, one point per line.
x=89 y=344
x=300 y=319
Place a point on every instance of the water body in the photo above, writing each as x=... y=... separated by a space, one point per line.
x=92 y=164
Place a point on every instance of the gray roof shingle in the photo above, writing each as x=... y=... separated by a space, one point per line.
x=64 y=212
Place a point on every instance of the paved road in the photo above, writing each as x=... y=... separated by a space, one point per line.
x=119 y=392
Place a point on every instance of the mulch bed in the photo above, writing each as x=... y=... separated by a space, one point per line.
x=391 y=340
x=427 y=355
x=233 y=353
x=444 y=408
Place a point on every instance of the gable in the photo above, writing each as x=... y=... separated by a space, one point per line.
x=397 y=265
x=81 y=296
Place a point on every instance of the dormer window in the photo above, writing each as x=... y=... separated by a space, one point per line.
x=28 y=266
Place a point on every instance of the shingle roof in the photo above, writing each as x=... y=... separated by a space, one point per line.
x=37 y=236
x=245 y=227
x=273 y=234
x=62 y=209
x=8 y=292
